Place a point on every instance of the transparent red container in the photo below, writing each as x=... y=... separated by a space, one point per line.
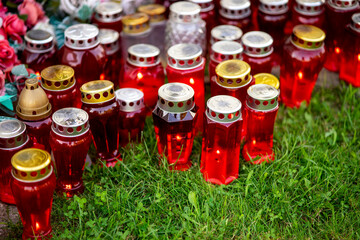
x=261 y=109
x=82 y=51
x=59 y=84
x=13 y=138
x=350 y=59
x=220 y=154
x=33 y=186
x=237 y=13
x=108 y=15
x=304 y=56
x=144 y=71
x=338 y=16
x=186 y=65
x=132 y=114
x=175 y=117
x=258 y=51
x=207 y=13
x=225 y=33
x=70 y=140
x=309 y=13
x=99 y=102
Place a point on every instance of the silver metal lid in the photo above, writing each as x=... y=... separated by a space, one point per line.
x=39 y=41
x=176 y=97
x=70 y=122
x=223 y=108
x=225 y=32
x=235 y=9
x=12 y=133
x=143 y=55
x=355 y=22
x=257 y=44
x=184 y=12
x=341 y=4
x=273 y=7
x=262 y=97
x=205 y=5
x=309 y=7
x=108 y=12
x=226 y=50
x=130 y=99
x=109 y=39
x=185 y=56
x=81 y=36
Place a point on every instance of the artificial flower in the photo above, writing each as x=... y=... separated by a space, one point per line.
x=7 y=55
x=33 y=10
x=14 y=27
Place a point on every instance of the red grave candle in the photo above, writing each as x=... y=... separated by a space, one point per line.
x=309 y=12
x=350 y=59
x=59 y=84
x=39 y=51
x=221 y=140
x=99 y=102
x=225 y=33
x=132 y=114
x=237 y=13
x=144 y=71
x=304 y=56
x=33 y=187
x=82 y=51
x=70 y=140
x=13 y=138
x=258 y=51
x=108 y=15
x=207 y=13
x=186 y=65
x=260 y=113
x=175 y=117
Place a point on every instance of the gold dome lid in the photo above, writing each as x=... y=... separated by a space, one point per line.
x=135 y=23
x=156 y=12
x=308 y=36
x=267 y=78
x=33 y=103
x=97 y=91
x=233 y=73
x=57 y=77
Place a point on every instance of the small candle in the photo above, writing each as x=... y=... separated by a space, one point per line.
x=235 y=12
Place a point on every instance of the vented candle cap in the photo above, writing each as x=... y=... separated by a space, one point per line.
x=355 y=22
x=57 y=78
x=223 y=108
x=70 y=122
x=143 y=55
x=12 y=133
x=184 y=56
x=109 y=39
x=156 y=12
x=136 y=23
x=226 y=50
x=235 y=9
x=130 y=99
x=257 y=44
x=274 y=7
x=233 y=73
x=184 y=12
x=262 y=97
x=343 y=4
x=81 y=36
x=108 y=12
x=308 y=36
x=309 y=7
x=98 y=91
x=225 y=32
x=176 y=97
x=205 y=5
x=39 y=41
x=267 y=78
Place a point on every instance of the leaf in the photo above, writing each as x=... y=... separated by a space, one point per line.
x=193 y=200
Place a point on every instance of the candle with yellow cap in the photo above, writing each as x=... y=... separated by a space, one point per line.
x=267 y=78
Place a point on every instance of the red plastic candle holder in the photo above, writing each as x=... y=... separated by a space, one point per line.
x=108 y=15
x=207 y=13
x=237 y=13
x=309 y=13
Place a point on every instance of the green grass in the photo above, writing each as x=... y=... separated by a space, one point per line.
x=311 y=191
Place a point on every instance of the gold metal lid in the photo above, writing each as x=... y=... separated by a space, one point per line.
x=57 y=77
x=135 y=23
x=31 y=165
x=267 y=78
x=307 y=36
x=156 y=12
x=97 y=91
x=33 y=102
x=233 y=73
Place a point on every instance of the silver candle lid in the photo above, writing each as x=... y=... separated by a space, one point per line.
x=343 y=4
x=273 y=7
x=176 y=97
x=223 y=108
x=109 y=39
x=184 y=12
x=235 y=9
x=108 y=12
x=12 y=133
x=39 y=41
x=257 y=44
x=184 y=56
x=205 y=5
x=143 y=55
x=81 y=36
x=309 y=7
x=226 y=50
x=70 y=122
x=262 y=97
x=225 y=32
x=355 y=22
x=130 y=99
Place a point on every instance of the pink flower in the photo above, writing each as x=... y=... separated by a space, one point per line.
x=33 y=10
x=2 y=83
x=7 y=55
x=14 y=27
x=3 y=10
x=2 y=34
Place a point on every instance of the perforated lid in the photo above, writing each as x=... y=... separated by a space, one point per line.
x=130 y=99
x=355 y=22
x=136 y=23
x=176 y=97
x=274 y=7
x=308 y=37
x=39 y=41
x=235 y=9
x=257 y=44
x=109 y=39
x=205 y=5
x=225 y=32
x=184 y=56
x=81 y=36
x=143 y=55
x=184 y=12
x=12 y=133
x=156 y=12
x=309 y=7
x=223 y=108
x=97 y=91
x=343 y=4
x=226 y=50
x=233 y=73
x=57 y=78
x=108 y=12
x=262 y=97
x=267 y=78
x=70 y=122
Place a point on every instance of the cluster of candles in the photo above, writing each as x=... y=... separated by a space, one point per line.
x=67 y=110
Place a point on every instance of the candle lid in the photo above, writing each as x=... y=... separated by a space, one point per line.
x=38 y=41
x=184 y=56
x=233 y=73
x=226 y=50
x=33 y=102
x=109 y=39
x=225 y=32
x=156 y=12
x=307 y=36
x=355 y=22
x=235 y=9
x=31 y=165
x=135 y=23
x=262 y=97
x=274 y=7
x=81 y=36
x=12 y=133
x=205 y=5
x=57 y=78
x=143 y=55
x=267 y=78
x=130 y=99
x=98 y=91
x=223 y=108
x=108 y=12
x=176 y=97
x=341 y=4
x=257 y=44
x=184 y=12
x=70 y=122
x=309 y=7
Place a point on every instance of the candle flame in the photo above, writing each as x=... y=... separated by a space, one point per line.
x=38 y=76
x=218 y=151
x=37 y=226
x=254 y=141
x=178 y=137
x=300 y=75
x=192 y=81
x=337 y=50
x=68 y=186
x=102 y=76
x=139 y=75
x=359 y=57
